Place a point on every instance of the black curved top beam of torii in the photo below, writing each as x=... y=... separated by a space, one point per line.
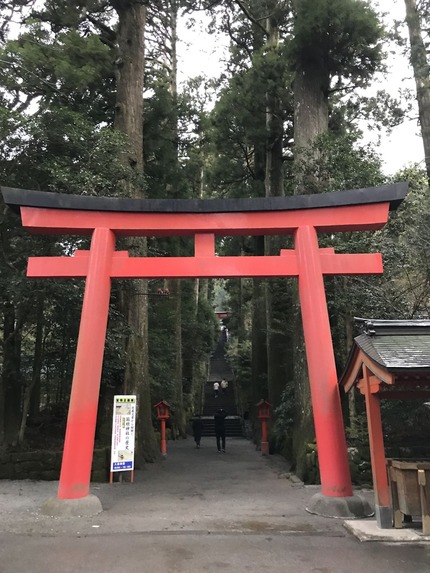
x=392 y=193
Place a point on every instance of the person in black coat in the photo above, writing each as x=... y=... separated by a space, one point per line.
x=219 y=418
x=197 y=429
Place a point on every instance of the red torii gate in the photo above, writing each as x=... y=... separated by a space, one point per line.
x=302 y=216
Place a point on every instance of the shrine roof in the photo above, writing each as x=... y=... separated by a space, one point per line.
x=397 y=351
x=398 y=346
x=392 y=194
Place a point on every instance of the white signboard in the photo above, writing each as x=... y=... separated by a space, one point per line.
x=123 y=425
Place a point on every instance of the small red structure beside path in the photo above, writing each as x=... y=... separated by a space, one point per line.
x=263 y=414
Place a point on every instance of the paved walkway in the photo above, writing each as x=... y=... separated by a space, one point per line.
x=196 y=511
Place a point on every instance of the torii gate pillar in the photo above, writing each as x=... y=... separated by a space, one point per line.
x=326 y=406
x=301 y=216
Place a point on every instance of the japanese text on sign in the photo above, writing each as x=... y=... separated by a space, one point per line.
x=123 y=430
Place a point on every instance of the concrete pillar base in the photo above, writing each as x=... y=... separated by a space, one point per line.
x=339 y=507
x=384 y=517
x=81 y=507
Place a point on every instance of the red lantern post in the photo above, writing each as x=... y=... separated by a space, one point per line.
x=163 y=415
x=263 y=415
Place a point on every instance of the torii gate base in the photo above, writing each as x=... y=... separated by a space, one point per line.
x=301 y=216
x=80 y=507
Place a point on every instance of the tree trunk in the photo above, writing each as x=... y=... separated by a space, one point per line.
x=10 y=397
x=129 y=120
x=421 y=69
x=259 y=327
x=179 y=414
x=310 y=120
x=310 y=105
x=37 y=368
x=259 y=333
x=349 y=336
x=176 y=347
x=200 y=371
x=279 y=350
x=130 y=80
x=136 y=378
x=274 y=180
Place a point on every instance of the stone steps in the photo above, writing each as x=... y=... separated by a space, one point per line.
x=233 y=426
x=219 y=369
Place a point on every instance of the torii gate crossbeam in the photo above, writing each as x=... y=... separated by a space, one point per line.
x=303 y=217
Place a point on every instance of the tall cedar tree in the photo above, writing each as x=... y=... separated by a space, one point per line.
x=129 y=120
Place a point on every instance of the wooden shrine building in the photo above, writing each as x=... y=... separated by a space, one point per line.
x=389 y=360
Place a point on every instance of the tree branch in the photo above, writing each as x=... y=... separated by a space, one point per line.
x=250 y=16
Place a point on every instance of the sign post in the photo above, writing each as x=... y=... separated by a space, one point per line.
x=123 y=432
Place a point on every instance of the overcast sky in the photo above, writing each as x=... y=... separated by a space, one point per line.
x=402 y=147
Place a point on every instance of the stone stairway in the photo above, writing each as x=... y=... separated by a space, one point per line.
x=233 y=427
x=219 y=369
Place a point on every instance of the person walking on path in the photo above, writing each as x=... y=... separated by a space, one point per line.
x=224 y=386
x=216 y=389
x=219 y=418
x=197 y=429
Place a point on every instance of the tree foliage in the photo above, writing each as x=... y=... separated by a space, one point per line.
x=343 y=37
